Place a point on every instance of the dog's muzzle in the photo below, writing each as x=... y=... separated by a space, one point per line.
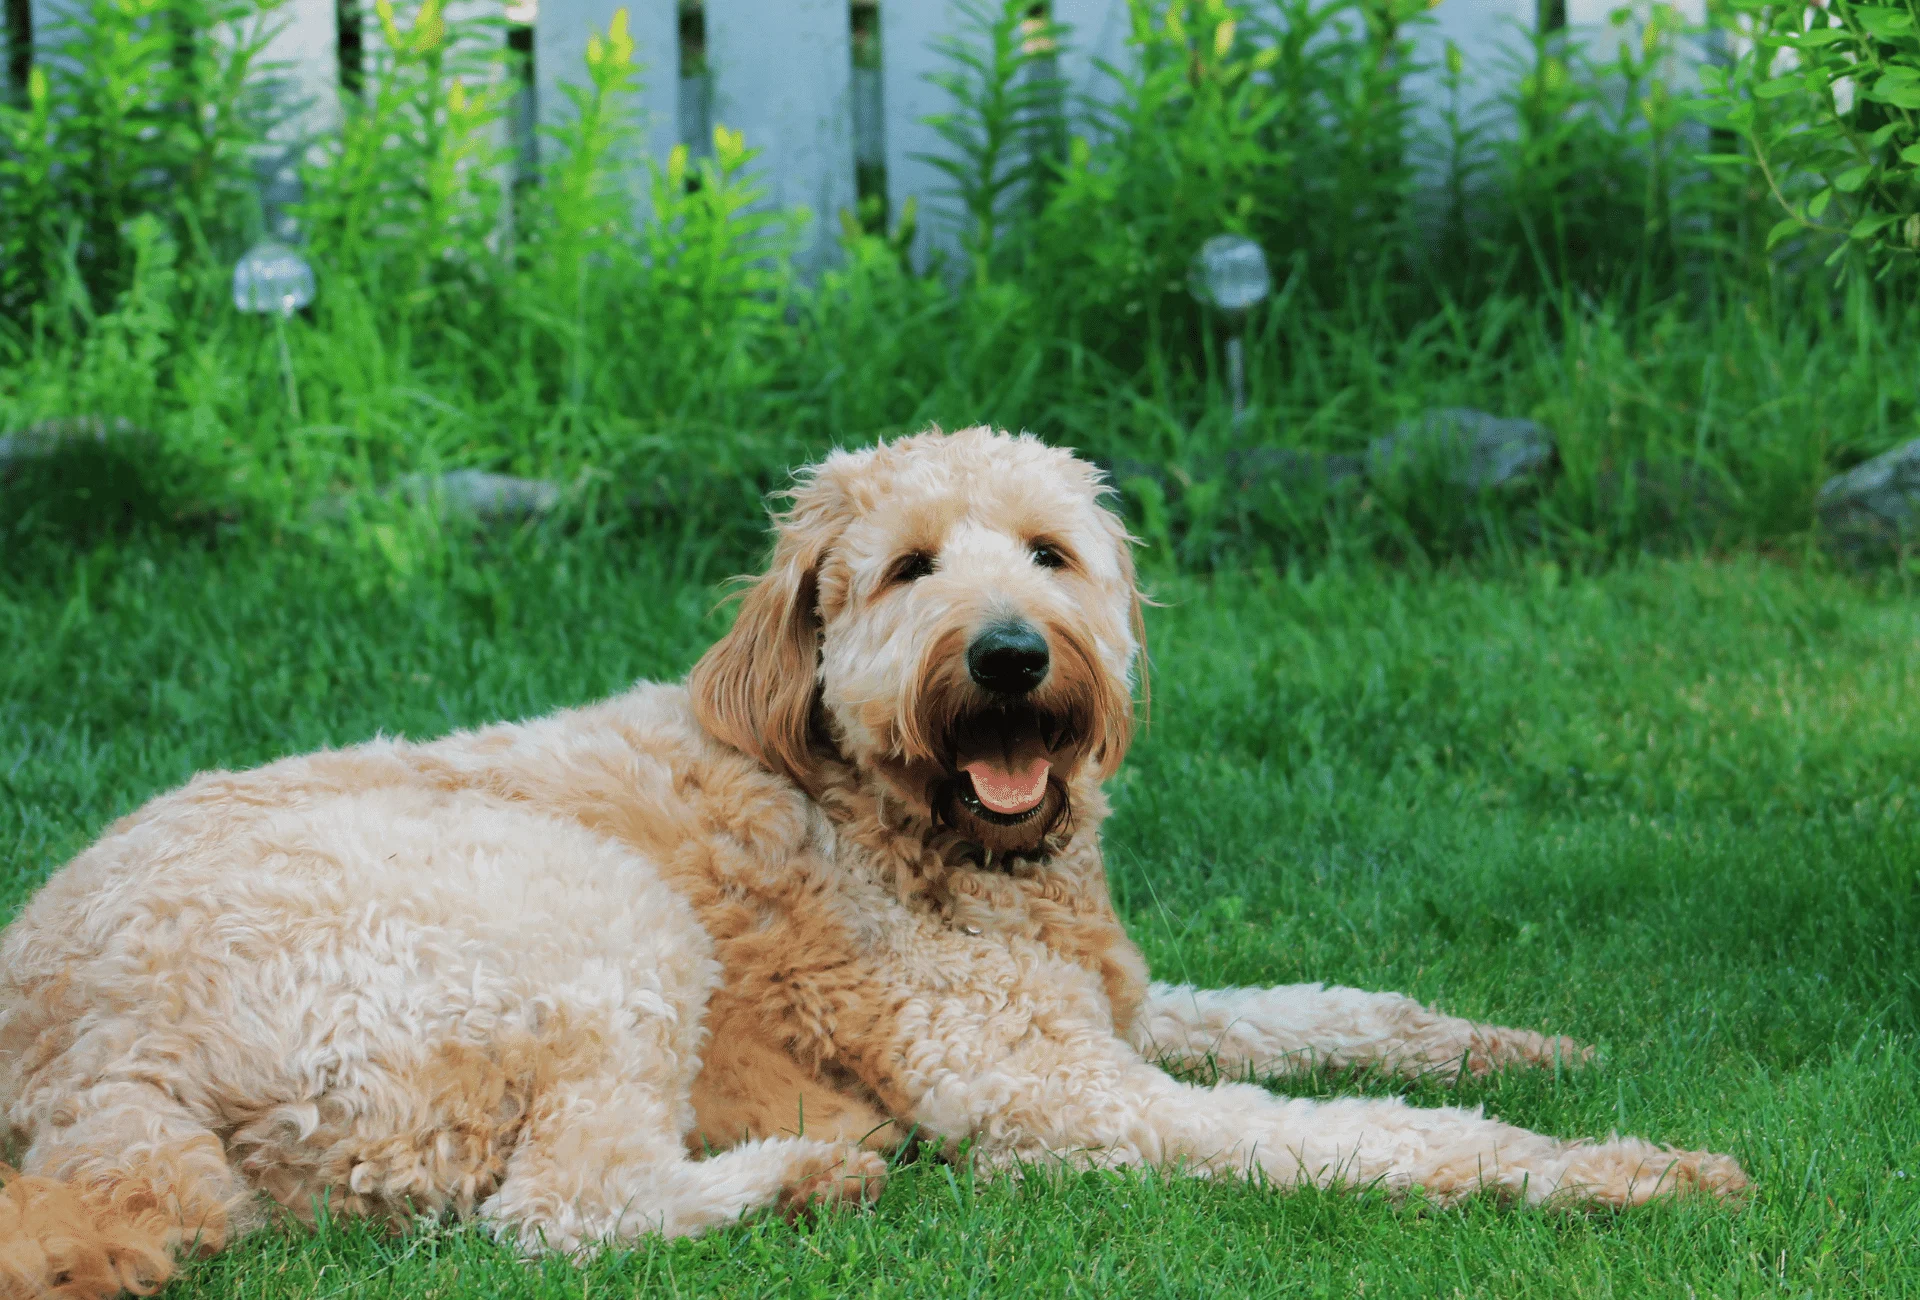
x=1004 y=753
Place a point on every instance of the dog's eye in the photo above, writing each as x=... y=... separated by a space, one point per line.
x=911 y=568
x=1048 y=556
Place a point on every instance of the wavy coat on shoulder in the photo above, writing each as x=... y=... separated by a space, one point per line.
x=649 y=965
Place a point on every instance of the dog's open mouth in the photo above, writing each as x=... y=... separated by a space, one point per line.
x=1003 y=793
x=999 y=792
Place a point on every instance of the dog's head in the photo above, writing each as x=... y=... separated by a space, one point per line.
x=955 y=616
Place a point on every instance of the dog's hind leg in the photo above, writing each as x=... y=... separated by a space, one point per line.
x=1247 y=1032
x=117 y=1180
x=602 y=1162
x=1074 y=1095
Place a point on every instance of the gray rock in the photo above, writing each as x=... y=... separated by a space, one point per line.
x=1471 y=449
x=51 y=437
x=472 y=493
x=478 y=493
x=1873 y=506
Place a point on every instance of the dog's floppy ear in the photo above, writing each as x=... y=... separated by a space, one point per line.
x=1119 y=737
x=755 y=688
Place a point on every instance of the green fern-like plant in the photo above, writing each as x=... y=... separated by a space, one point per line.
x=30 y=183
x=1007 y=107
x=409 y=200
x=717 y=260
x=139 y=107
x=586 y=203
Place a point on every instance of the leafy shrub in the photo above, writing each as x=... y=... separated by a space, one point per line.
x=1826 y=99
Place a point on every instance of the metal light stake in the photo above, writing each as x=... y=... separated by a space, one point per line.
x=272 y=279
x=1229 y=274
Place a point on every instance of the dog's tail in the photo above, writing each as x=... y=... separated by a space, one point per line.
x=127 y=1181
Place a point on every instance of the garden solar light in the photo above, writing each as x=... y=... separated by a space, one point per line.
x=272 y=279
x=1230 y=275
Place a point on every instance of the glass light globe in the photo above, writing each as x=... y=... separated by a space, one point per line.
x=271 y=277
x=1230 y=274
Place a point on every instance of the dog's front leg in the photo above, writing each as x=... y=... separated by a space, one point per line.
x=1081 y=1096
x=1246 y=1032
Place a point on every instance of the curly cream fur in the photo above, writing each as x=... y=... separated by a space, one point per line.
x=645 y=966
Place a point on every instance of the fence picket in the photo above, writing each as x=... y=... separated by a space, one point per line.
x=560 y=37
x=1491 y=36
x=1098 y=32
x=51 y=21
x=1598 y=13
x=1591 y=23
x=303 y=55
x=783 y=75
x=909 y=32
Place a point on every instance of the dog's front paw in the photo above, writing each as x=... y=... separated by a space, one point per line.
x=1628 y=1171
x=846 y=1175
x=1493 y=1047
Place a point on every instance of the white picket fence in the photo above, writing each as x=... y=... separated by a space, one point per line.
x=782 y=72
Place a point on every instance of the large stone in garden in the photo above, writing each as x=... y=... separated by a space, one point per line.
x=1469 y=449
x=52 y=438
x=464 y=493
x=1873 y=506
x=480 y=494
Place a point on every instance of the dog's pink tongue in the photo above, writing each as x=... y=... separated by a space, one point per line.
x=1007 y=791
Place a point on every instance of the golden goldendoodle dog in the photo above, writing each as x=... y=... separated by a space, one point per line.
x=646 y=966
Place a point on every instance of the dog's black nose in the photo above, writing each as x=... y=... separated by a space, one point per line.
x=1008 y=658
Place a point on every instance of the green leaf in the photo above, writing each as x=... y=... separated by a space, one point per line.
x=1870 y=225
x=1885 y=24
x=1911 y=154
x=1778 y=86
x=1850 y=180
x=1819 y=203
x=1821 y=36
x=1782 y=229
x=1899 y=92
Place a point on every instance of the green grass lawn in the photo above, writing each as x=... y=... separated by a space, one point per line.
x=1669 y=810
